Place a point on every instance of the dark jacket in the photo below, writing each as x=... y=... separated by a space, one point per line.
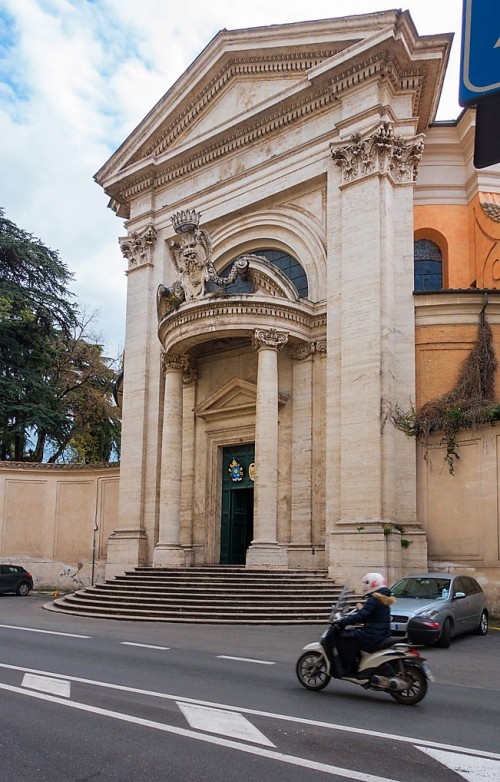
x=375 y=616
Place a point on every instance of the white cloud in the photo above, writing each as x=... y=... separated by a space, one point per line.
x=78 y=75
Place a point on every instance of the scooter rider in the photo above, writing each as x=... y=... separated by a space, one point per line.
x=375 y=616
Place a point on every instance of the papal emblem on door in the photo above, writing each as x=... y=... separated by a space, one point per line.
x=235 y=471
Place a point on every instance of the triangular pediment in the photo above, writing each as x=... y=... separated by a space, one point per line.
x=235 y=398
x=248 y=84
x=241 y=97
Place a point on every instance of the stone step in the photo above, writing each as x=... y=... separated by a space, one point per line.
x=207 y=604
x=214 y=579
x=233 y=595
x=218 y=595
x=183 y=613
x=220 y=586
x=201 y=608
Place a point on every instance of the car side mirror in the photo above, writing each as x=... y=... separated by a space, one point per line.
x=459 y=595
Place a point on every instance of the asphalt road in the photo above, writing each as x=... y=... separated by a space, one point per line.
x=89 y=699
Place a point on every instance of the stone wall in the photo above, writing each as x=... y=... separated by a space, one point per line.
x=55 y=520
x=460 y=511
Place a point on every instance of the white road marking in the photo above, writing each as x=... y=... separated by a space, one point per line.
x=47 y=632
x=145 y=646
x=472 y=769
x=244 y=659
x=346 y=773
x=47 y=684
x=271 y=715
x=225 y=723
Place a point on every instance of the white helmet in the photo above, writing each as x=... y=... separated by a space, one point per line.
x=371 y=582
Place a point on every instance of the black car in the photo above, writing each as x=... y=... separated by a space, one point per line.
x=14 y=578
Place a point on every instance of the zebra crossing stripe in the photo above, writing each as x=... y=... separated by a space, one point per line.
x=473 y=769
x=47 y=684
x=223 y=723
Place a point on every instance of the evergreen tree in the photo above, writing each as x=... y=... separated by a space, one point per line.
x=49 y=371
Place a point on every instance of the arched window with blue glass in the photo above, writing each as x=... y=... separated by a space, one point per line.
x=287 y=264
x=428 y=266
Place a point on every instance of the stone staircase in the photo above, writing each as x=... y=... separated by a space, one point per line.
x=211 y=595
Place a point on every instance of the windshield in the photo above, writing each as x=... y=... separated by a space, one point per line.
x=423 y=588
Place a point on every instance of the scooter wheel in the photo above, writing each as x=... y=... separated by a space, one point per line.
x=311 y=671
x=417 y=686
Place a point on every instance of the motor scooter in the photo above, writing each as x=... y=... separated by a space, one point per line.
x=395 y=667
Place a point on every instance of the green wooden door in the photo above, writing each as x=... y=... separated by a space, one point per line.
x=237 y=504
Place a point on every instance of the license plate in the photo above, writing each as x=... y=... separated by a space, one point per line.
x=395 y=626
x=426 y=669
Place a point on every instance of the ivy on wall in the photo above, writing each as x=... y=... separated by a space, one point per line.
x=469 y=405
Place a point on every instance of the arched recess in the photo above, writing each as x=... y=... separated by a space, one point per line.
x=438 y=239
x=285 y=228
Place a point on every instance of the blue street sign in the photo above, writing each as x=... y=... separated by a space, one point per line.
x=480 y=65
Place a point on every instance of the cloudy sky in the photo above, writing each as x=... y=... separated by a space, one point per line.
x=77 y=76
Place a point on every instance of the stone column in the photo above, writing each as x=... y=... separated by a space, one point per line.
x=168 y=551
x=371 y=365
x=264 y=551
x=127 y=545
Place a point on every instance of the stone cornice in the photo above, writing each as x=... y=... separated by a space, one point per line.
x=266 y=125
x=165 y=166
x=456 y=307
x=65 y=467
x=381 y=65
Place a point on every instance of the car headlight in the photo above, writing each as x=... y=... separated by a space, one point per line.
x=430 y=614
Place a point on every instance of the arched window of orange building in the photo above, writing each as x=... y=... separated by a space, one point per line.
x=428 y=266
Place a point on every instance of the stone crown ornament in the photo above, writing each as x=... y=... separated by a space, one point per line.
x=185 y=221
x=191 y=256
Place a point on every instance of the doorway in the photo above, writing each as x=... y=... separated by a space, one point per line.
x=237 y=504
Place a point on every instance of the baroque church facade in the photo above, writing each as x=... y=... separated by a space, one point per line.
x=307 y=251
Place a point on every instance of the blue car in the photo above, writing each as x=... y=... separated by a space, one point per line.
x=453 y=604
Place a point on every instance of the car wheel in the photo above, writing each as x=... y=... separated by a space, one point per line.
x=482 y=627
x=445 y=637
x=23 y=589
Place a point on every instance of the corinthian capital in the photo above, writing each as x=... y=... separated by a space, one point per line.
x=302 y=351
x=173 y=362
x=382 y=152
x=306 y=349
x=137 y=247
x=272 y=339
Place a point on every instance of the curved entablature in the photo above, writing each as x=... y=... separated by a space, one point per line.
x=221 y=316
